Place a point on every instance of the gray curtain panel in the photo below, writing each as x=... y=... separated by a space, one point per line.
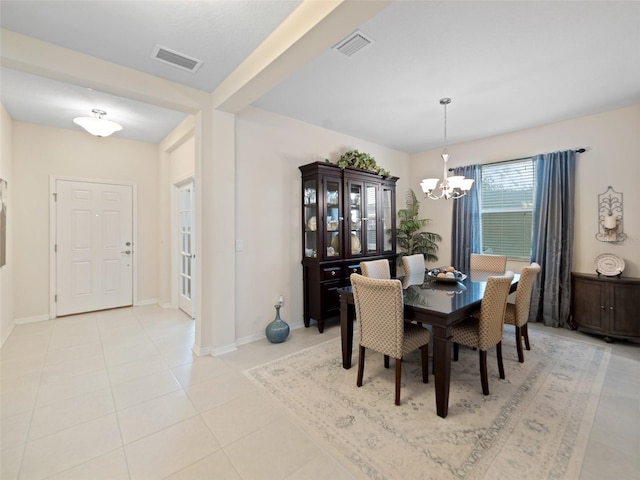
x=552 y=236
x=465 y=230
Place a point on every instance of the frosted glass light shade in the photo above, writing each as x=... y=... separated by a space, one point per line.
x=455 y=182
x=98 y=125
x=429 y=184
x=466 y=184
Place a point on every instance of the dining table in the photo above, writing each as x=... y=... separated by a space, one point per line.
x=432 y=301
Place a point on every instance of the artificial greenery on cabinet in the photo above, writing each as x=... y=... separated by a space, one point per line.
x=362 y=160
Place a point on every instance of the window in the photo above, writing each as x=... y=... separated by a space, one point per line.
x=506 y=205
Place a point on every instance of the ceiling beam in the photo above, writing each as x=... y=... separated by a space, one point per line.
x=310 y=30
x=30 y=55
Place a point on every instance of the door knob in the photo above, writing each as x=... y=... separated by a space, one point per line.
x=128 y=252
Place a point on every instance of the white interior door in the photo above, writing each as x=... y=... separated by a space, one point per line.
x=186 y=247
x=94 y=246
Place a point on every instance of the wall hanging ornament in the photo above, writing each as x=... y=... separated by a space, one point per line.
x=610 y=216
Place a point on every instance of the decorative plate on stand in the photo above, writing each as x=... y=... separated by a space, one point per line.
x=609 y=265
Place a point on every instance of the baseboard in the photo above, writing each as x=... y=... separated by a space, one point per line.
x=36 y=318
x=222 y=350
x=250 y=339
x=150 y=301
x=201 y=351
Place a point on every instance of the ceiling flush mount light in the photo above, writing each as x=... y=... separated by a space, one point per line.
x=451 y=187
x=98 y=125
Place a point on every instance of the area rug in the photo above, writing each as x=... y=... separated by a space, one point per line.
x=535 y=424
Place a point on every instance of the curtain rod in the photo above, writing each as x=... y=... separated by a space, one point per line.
x=578 y=150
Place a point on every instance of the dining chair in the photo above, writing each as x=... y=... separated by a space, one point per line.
x=379 y=308
x=413 y=264
x=376 y=269
x=518 y=314
x=414 y=269
x=486 y=331
x=488 y=263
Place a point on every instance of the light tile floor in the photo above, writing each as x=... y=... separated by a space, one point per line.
x=119 y=395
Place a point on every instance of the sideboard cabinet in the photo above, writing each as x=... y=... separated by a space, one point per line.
x=606 y=306
x=348 y=216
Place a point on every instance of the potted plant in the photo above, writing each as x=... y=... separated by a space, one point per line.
x=364 y=161
x=409 y=237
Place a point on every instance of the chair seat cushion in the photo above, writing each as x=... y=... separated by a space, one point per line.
x=467 y=332
x=415 y=337
x=510 y=314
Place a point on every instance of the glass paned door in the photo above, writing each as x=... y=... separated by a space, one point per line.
x=372 y=219
x=387 y=215
x=333 y=217
x=356 y=218
x=310 y=214
x=186 y=247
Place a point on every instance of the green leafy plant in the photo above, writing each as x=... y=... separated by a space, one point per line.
x=364 y=161
x=409 y=237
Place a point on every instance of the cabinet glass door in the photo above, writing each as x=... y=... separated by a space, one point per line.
x=387 y=215
x=355 y=219
x=310 y=213
x=372 y=219
x=333 y=217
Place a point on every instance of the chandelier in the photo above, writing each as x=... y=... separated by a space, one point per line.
x=98 y=125
x=451 y=187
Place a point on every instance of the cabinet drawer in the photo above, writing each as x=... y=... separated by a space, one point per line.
x=352 y=268
x=331 y=273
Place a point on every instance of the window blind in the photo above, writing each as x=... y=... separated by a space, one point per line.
x=506 y=205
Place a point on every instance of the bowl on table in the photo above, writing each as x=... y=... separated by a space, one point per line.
x=446 y=275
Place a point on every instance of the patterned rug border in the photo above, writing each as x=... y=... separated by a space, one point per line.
x=571 y=447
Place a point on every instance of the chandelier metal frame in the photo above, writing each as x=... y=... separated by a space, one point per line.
x=450 y=187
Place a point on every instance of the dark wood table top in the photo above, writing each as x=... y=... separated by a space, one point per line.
x=442 y=300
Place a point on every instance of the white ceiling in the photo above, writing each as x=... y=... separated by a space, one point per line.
x=506 y=65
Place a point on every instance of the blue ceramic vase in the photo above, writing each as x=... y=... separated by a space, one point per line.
x=278 y=330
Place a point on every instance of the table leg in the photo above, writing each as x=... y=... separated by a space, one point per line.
x=442 y=364
x=346 y=330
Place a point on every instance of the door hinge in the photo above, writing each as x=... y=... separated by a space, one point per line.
x=55 y=248
x=55 y=298
x=55 y=197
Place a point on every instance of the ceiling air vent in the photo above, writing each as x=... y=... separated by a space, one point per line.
x=354 y=43
x=176 y=59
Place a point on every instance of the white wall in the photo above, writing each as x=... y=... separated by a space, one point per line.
x=613 y=143
x=6 y=272
x=270 y=148
x=38 y=153
x=176 y=162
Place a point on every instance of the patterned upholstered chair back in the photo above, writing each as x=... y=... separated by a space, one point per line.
x=376 y=269
x=488 y=263
x=523 y=294
x=380 y=312
x=492 y=308
x=413 y=264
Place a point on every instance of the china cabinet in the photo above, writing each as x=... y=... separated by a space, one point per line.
x=348 y=216
x=606 y=306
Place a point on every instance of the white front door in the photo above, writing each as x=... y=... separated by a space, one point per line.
x=94 y=246
x=186 y=247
